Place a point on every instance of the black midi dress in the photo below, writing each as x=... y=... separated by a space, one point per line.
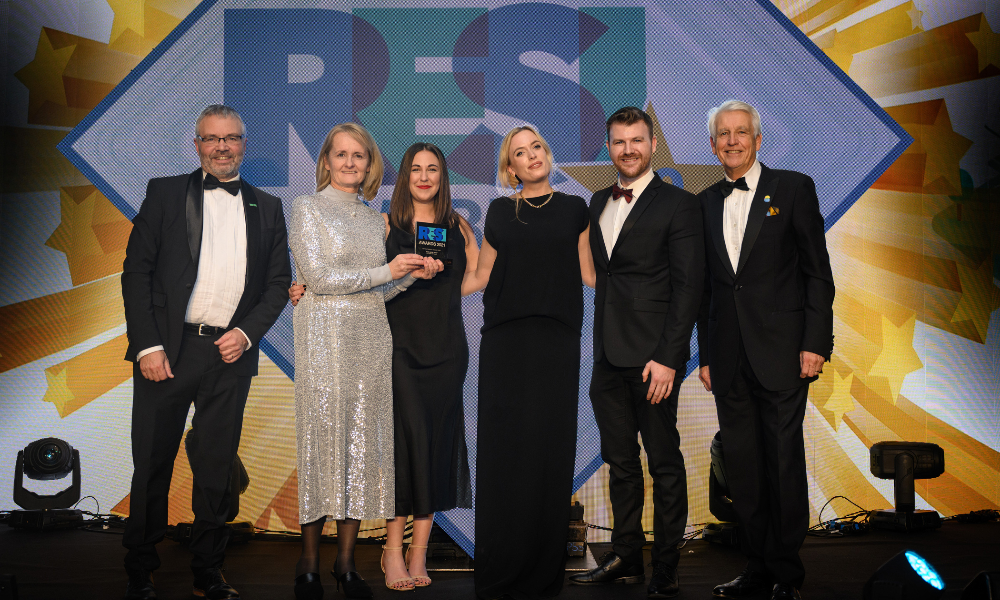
x=529 y=377
x=430 y=357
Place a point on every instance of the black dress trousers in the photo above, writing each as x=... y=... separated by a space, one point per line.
x=623 y=413
x=159 y=412
x=766 y=471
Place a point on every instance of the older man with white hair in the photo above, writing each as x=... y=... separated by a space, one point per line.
x=765 y=329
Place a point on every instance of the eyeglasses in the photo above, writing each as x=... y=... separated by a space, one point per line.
x=212 y=140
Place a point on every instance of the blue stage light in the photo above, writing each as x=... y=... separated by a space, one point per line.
x=924 y=569
x=905 y=576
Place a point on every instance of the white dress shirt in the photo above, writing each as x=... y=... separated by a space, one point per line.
x=616 y=211
x=222 y=263
x=735 y=213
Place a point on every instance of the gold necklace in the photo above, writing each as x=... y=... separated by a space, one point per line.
x=538 y=205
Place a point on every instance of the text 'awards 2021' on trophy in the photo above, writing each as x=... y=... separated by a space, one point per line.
x=432 y=240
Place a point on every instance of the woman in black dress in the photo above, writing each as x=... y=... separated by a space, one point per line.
x=535 y=256
x=429 y=360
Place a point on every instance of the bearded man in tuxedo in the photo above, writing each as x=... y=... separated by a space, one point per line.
x=646 y=239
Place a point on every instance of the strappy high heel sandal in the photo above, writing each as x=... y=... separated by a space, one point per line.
x=403 y=584
x=419 y=580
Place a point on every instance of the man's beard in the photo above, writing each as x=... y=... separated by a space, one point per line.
x=641 y=167
x=225 y=173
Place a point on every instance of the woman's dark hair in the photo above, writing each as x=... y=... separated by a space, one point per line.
x=401 y=205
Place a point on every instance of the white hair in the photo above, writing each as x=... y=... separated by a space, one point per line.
x=729 y=106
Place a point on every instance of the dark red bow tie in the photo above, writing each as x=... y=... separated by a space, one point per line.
x=617 y=192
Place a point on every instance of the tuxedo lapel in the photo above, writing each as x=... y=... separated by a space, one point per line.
x=715 y=208
x=641 y=204
x=596 y=208
x=252 y=216
x=194 y=204
x=766 y=186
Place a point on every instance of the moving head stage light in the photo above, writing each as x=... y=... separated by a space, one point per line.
x=46 y=459
x=906 y=576
x=903 y=462
x=720 y=504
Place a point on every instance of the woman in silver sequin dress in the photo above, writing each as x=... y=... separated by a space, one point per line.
x=343 y=355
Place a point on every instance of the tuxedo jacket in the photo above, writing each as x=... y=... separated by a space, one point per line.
x=648 y=291
x=161 y=265
x=779 y=298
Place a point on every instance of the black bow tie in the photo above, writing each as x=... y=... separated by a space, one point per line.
x=617 y=192
x=211 y=182
x=727 y=187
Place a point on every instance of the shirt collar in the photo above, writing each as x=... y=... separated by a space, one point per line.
x=639 y=185
x=751 y=177
x=204 y=174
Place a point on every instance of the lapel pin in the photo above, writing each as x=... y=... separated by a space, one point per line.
x=254 y=205
x=767 y=198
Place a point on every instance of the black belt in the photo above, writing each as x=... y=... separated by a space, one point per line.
x=202 y=329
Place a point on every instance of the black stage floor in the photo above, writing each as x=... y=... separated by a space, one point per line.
x=81 y=565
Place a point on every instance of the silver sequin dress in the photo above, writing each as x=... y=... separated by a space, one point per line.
x=343 y=360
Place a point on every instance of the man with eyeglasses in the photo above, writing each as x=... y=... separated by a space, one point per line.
x=205 y=276
x=765 y=328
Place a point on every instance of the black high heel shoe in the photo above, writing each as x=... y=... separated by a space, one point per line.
x=308 y=587
x=354 y=585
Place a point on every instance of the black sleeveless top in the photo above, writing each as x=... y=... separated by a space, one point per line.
x=537 y=269
x=426 y=319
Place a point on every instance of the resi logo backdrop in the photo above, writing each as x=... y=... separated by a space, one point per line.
x=432 y=74
x=460 y=76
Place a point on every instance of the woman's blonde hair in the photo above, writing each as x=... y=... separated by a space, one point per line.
x=506 y=179
x=373 y=179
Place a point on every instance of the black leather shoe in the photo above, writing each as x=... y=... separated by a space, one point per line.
x=212 y=585
x=612 y=569
x=664 y=583
x=308 y=587
x=140 y=586
x=354 y=584
x=748 y=583
x=785 y=591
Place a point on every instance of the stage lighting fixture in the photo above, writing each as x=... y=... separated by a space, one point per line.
x=46 y=459
x=719 y=502
x=239 y=481
x=906 y=576
x=903 y=462
x=985 y=586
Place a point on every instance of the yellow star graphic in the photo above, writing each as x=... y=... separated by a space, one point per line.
x=43 y=76
x=92 y=233
x=897 y=358
x=129 y=14
x=915 y=16
x=944 y=149
x=58 y=392
x=597 y=176
x=840 y=401
x=980 y=297
x=987 y=44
